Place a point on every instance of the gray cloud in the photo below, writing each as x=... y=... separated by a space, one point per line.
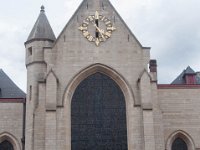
x=171 y=29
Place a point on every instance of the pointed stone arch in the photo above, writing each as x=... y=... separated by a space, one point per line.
x=144 y=72
x=51 y=90
x=145 y=90
x=115 y=76
x=10 y=138
x=184 y=136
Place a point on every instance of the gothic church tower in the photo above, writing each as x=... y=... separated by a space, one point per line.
x=90 y=88
x=40 y=38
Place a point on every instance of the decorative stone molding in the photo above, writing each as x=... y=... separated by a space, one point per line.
x=184 y=136
x=9 y=137
x=51 y=92
x=145 y=90
x=123 y=84
x=128 y=94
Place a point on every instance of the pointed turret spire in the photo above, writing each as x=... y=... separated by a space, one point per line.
x=42 y=29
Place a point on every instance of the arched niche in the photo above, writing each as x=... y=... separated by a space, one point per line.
x=180 y=136
x=83 y=74
x=10 y=139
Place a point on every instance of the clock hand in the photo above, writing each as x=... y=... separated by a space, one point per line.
x=97 y=23
x=96 y=15
x=100 y=31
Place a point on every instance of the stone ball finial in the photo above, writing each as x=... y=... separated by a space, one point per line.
x=42 y=8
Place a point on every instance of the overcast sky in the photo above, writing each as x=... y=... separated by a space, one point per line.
x=170 y=27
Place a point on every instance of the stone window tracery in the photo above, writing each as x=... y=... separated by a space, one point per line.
x=98 y=115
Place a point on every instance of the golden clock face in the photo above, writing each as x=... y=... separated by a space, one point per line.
x=97 y=28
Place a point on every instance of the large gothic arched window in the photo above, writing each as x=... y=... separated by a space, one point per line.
x=6 y=145
x=98 y=115
x=179 y=144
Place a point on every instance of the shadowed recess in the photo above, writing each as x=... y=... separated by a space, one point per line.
x=179 y=144
x=98 y=115
x=6 y=145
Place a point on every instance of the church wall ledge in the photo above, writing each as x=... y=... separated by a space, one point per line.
x=12 y=100
x=178 y=86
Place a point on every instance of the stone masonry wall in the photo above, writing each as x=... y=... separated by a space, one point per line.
x=180 y=109
x=11 y=121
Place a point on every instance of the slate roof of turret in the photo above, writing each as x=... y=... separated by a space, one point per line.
x=181 y=80
x=42 y=29
x=8 y=89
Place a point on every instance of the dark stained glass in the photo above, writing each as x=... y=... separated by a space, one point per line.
x=98 y=115
x=179 y=144
x=6 y=145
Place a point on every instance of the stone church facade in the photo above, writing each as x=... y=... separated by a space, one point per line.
x=95 y=87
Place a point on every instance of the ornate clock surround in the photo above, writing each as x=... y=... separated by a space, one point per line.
x=97 y=28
